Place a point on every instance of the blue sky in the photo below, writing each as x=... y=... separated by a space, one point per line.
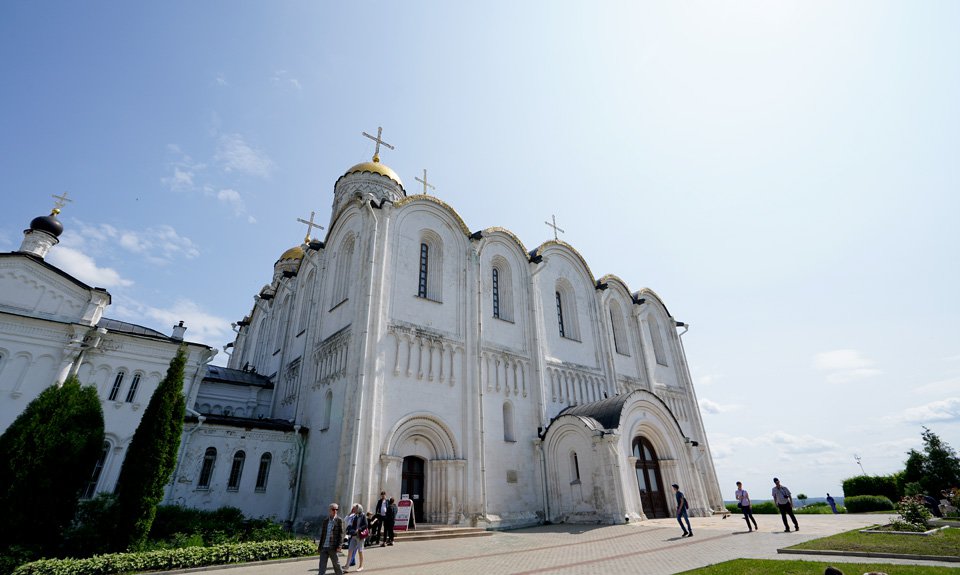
x=784 y=174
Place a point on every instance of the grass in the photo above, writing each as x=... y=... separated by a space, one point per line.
x=777 y=567
x=944 y=543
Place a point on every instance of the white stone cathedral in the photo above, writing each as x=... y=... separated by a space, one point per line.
x=493 y=385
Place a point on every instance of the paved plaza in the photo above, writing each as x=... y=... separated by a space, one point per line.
x=651 y=547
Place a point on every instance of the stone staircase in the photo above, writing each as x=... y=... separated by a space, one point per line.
x=429 y=532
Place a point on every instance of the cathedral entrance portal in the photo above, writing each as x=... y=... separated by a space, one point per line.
x=412 y=484
x=652 y=491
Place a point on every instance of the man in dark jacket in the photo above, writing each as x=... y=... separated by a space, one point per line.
x=388 y=522
x=379 y=513
x=331 y=540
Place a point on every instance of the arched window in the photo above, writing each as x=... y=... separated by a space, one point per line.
x=508 y=422
x=574 y=469
x=502 y=285
x=306 y=289
x=343 y=270
x=567 y=311
x=496 y=293
x=236 y=470
x=327 y=409
x=91 y=489
x=206 y=472
x=117 y=382
x=619 y=329
x=653 y=326
x=431 y=267
x=263 y=473
x=132 y=392
x=282 y=324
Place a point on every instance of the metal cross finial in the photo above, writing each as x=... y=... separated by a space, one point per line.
x=555 y=228
x=378 y=140
x=424 y=182
x=60 y=201
x=310 y=226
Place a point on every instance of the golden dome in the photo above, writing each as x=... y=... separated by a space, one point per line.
x=294 y=253
x=376 y=168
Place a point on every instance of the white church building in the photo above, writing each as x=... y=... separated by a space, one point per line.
x=494 y=385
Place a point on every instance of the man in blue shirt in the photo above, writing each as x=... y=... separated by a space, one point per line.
x=331 y=540
x=682 y=508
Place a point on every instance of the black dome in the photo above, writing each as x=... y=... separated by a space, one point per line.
x=49 y=224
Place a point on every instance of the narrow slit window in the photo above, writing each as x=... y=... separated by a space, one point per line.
x=236 y=470
x=560 y=315
x=117 y=382
x=263 y=473
x=91 y=487
x=206 y=472
x=132 y=392
x=424 y=263
x=496 y=293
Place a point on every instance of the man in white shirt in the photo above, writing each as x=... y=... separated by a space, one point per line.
x=784 y=500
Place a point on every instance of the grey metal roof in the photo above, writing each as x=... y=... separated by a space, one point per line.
x=218 y=374
x=247 y=423
x=606 y=411
x=116 y=325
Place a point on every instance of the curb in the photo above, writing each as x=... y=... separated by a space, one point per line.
x=947 y=559
x=227 y=565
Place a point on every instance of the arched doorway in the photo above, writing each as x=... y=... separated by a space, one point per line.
x=652 y=490
x=412 y=484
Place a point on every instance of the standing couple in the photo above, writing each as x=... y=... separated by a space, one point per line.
x=781 y=496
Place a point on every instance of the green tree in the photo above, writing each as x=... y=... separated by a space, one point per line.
x=936 y=468
x=46 y=458
x=803 y=499
x=150 y=459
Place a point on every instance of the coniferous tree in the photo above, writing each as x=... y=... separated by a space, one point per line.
x=46 y=458
x=150 y=459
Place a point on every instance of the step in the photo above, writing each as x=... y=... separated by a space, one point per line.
x=426 y=532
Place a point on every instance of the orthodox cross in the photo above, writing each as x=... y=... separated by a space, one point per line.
x=555 y=228
x=379 y=141
x=60 y=201
x=310 y=226
x=424 y=182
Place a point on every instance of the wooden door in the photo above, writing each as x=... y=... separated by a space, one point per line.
x=413 y=484
x=653 y=493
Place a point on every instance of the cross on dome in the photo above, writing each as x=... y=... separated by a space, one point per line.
x=60 y=202
x=555 y=228
x=310 y=226
x=424 y=182
x=379 y=141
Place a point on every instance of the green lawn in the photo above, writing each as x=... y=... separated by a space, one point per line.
x=776 y=567
x=946 y=542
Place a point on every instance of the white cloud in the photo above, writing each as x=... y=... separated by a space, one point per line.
x=943 y=410
x=282 y=78
x=235 y=155
x=713 y=407
x=158 y=244
x=185 y=171
x=845 y=365
x=84 y=268
x=233 y=199
x=790 y=443
x=201 y=326
x=940 y=387
x=221 y=80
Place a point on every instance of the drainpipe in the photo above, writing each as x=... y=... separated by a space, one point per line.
x=296 y=487
x=183 y=449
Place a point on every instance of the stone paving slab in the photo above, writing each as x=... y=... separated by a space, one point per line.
x=650 y=547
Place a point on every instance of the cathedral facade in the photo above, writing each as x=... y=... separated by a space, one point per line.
x=492 y=384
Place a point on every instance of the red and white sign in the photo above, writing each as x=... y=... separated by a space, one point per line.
x=404 y=510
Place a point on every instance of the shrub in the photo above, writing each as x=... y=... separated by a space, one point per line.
x=765 y=508
x=223 y=525
x=865 y=503
x=817 y=509
x=150 y=459
x=885 y=485
x=166 y=560
x=46 y=458
x=90 y=532
x=913 y=514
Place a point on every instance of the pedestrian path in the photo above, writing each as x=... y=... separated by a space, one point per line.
x=650 y=547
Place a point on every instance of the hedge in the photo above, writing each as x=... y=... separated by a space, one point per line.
x=116 y=563
x=765 y=508
x=885 y=485
x=864 y=503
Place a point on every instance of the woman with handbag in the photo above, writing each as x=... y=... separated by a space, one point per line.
x=357 y=529
x=743 y=502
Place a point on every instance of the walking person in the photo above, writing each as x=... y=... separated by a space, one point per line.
x=832 y=503
x=784 y=500
x=743 y=502
x=357 y=530
x=389 y=520
x=331 y=540
x=682 y=507
x=379 y=512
